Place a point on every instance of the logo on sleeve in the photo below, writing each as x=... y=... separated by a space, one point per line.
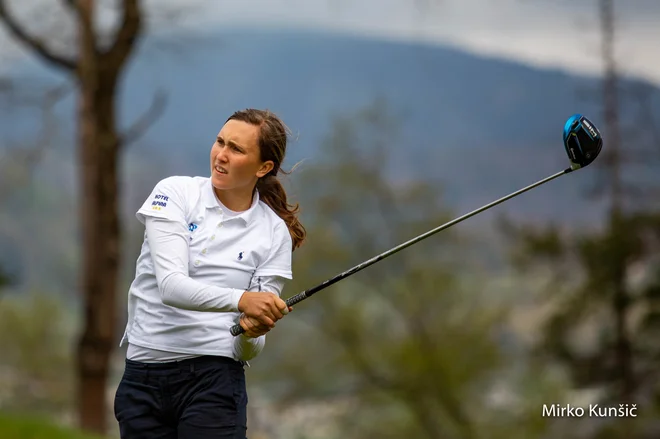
x=240 y=256
x=159 y=202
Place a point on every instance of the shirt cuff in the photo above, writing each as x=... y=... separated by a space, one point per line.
x=236 y=295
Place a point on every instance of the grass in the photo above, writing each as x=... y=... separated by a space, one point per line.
x=26 y=427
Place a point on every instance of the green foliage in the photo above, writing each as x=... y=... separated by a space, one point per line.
x=27 y=427
x=603 y=280
x=36 y=366
x=5 y=279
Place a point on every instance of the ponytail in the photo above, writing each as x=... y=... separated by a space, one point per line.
x=272 y=146
x=273 y=194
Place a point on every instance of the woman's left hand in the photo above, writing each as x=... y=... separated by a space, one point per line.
x=253 y=328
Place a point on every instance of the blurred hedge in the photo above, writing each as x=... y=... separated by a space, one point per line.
x=23 y=427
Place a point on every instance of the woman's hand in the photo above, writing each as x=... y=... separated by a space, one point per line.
x=252 y=327
x=263 y=309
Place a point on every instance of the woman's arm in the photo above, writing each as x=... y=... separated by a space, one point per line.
x=163 y=214
x=168 y=244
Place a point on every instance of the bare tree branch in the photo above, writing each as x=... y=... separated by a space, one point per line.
x=148 y=118
x=131 y=23
x=33 y=42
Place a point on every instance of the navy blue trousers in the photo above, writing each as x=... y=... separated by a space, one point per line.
x=201 y=398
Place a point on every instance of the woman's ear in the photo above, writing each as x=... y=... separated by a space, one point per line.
x=265 y=168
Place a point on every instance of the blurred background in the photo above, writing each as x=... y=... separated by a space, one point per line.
x=404 y=114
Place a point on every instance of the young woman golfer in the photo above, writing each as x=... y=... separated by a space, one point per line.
x=216 y=252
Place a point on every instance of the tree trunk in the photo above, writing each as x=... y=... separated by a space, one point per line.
x=100 y=265
x=99 y=144
x=620 y=301
x=98 y=152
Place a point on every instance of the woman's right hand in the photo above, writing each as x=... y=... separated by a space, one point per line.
x=263 y=307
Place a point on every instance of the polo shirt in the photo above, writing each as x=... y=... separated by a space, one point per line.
x=196 y=261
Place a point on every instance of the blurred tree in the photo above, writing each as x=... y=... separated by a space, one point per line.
x=402 y=348
x=607 y=281
x=36 y=365
x=96 y=69
x=4 y=278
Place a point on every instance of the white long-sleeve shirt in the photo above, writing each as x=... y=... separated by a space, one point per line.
x=197 y=260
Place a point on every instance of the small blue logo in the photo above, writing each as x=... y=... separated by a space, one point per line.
x=240 y=256
x=192 y=227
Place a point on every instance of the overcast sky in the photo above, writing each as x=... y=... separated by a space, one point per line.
x=557 y=33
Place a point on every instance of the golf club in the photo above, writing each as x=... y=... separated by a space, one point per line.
x=582 y=141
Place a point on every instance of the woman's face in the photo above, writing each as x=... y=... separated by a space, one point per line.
x=235 y=157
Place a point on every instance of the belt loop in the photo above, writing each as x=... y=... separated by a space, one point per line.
x=192 y=367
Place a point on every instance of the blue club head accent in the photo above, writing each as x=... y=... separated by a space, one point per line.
x=572 y=121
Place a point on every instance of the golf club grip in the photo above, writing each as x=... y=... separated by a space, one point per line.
x=238 y=329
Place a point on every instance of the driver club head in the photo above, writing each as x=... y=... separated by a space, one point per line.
x=582 y=140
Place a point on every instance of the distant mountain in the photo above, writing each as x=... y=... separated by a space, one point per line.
x=478 y=127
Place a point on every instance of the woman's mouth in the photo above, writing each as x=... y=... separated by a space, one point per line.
x=220 y=170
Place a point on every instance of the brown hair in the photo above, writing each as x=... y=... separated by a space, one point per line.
x=272 y=146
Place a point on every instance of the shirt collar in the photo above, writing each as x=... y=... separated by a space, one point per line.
x=212 y=202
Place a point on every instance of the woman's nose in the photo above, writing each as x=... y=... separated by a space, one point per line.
x=222 y=155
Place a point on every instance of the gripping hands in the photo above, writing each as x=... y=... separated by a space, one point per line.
x=260 y=310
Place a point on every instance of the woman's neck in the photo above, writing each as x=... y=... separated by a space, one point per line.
x=235 y=200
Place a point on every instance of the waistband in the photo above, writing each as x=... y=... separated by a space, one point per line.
x=189 y=364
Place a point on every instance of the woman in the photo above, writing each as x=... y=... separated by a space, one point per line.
x=216 y=252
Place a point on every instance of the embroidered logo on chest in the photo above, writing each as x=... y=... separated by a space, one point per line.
x=192 y=227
